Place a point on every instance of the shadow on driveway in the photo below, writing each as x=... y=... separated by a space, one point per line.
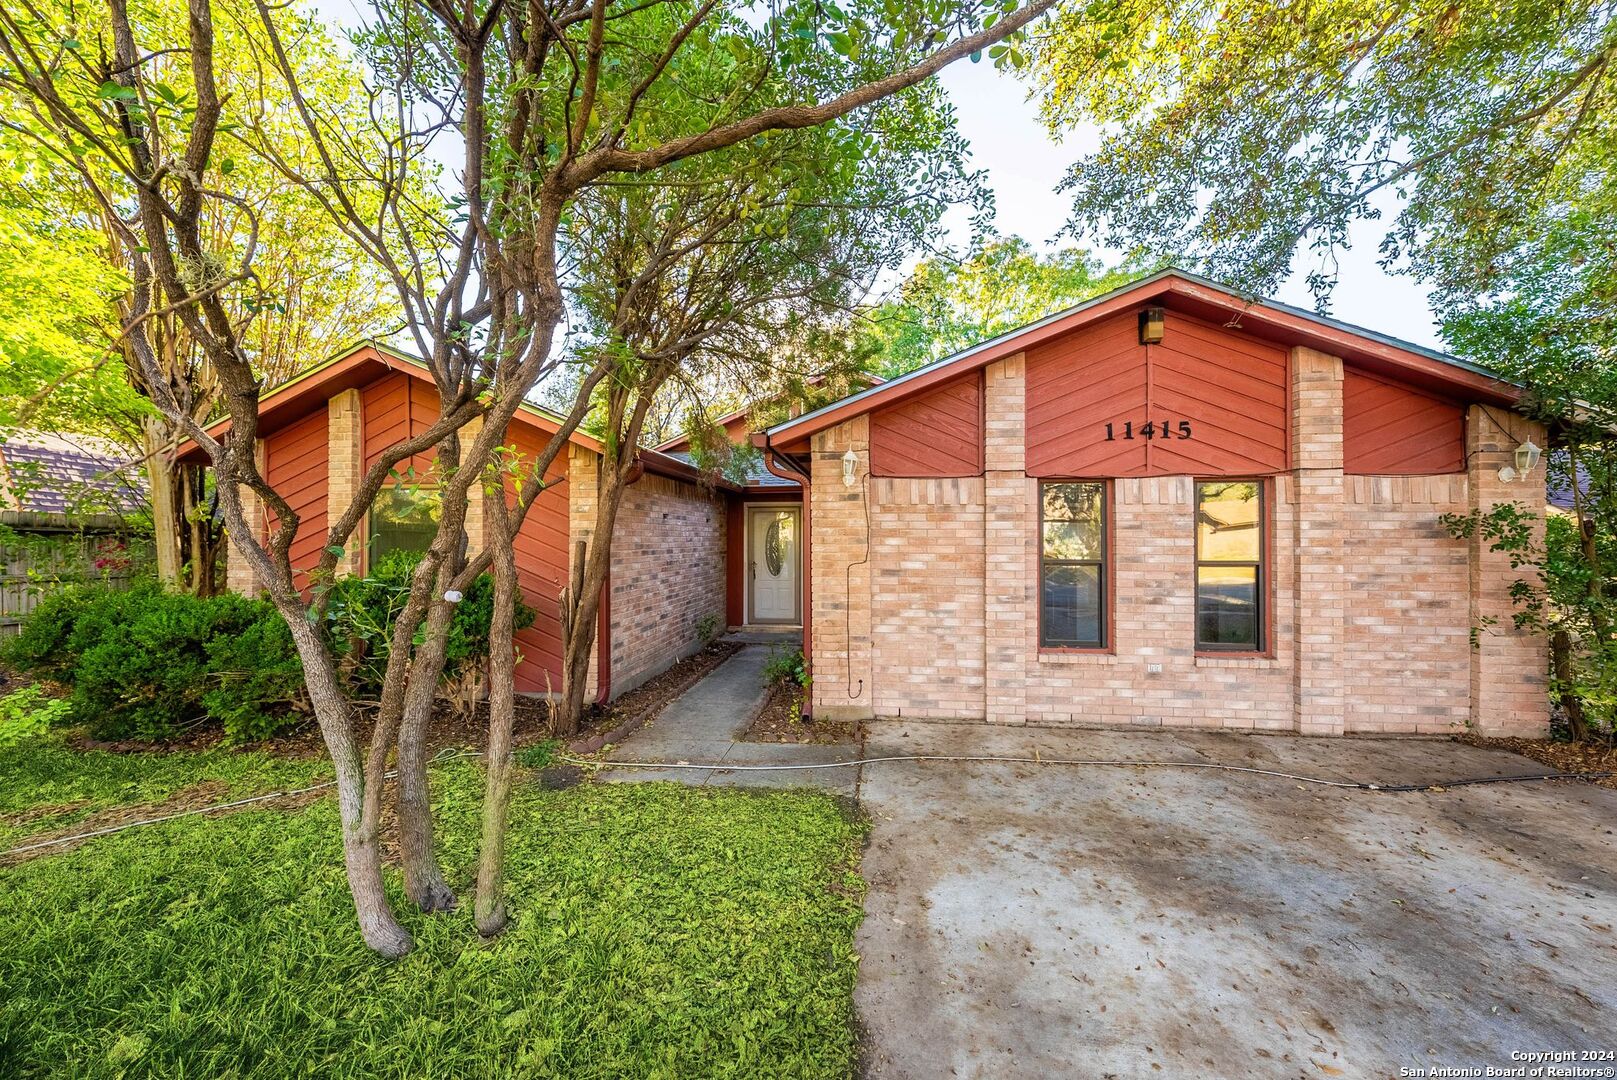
x=1042 y=921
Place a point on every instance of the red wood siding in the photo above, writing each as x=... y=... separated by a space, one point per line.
x=1389 y=429
x=395 y=407
x=939 y=433
x=541 y=551
x=295 y=464
x=1230 y=387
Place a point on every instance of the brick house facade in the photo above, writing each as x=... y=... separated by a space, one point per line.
x=927 y=588
x=667 y=578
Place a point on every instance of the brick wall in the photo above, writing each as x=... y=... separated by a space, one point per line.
x=667 y=574
x=925 y=599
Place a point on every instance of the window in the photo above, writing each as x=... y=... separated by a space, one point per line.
x=1229 y=565
x=403 y=518
x=1072 y=566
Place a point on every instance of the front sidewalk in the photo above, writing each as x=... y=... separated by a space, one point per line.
x=705 y=725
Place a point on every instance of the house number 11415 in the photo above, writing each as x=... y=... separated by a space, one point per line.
x=1150 y=430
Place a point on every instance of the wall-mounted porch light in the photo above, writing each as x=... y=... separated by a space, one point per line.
x=1151 y=320
x=1527 y=456
x=850 y=468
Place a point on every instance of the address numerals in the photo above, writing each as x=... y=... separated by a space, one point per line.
x=1151 y=429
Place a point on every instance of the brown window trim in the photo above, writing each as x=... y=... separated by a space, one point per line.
x=1107 y=645
x=1265 y=588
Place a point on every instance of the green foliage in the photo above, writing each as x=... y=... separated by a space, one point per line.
x=951 y=303
x=28 y=712
x=539 y=755
x=362 y=611
x=1564 y=593
x=715 y=929
x=785 y=666
x=46 y=785
x=1239 y=129
x=707 y=628
x=147 y=664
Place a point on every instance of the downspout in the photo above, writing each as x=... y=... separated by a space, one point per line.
x=803 y=479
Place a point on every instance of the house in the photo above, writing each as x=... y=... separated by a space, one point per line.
x=66 y=503
x=320 y=431
x=1170 y=506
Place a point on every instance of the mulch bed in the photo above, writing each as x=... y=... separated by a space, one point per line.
x=613 y=722
x=1565 y=756
x=780 y=722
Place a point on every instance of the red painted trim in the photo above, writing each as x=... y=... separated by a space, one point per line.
x=1266 y=493
x=1191 y=298
x=808 y=564
x=1108 y=488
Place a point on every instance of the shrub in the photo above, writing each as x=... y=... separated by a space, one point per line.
x=28 y=712
x=785 y=666
x=144 y=663
x=361 y=612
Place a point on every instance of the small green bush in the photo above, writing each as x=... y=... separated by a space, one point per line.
x=361 y=612
x=144 y=663
x=29 y=712
x=785 y=666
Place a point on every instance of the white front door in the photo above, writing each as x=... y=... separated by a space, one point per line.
x=773 y=542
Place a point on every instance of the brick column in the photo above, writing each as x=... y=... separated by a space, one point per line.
x=840 y=562
x=1509 y=695
x=240 y=577
x=1010 y=515
x=1317 y=548
x=583 y=487
x=345 y=462
x=476 y=524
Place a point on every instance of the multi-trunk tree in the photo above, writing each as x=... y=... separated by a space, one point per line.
x=544 y=102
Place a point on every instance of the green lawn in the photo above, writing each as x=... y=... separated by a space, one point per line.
x=659 y=932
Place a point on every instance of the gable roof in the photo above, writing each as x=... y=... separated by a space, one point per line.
x=681 y=442
x=1181 y=291
x=363 y=363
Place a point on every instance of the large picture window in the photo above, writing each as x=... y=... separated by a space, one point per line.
x=403 y=518
x=1072 y=565
x=1229 y=565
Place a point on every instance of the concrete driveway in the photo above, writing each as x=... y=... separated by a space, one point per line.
x=1042 y=921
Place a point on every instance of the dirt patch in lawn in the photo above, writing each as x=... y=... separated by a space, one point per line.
x=781 y=721
x=197 y=797
x=1566 y=756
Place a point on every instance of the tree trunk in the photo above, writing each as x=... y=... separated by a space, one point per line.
x=362 y=852
x=423 y=877
x=490 y=905
x=163 y=488
x=1571 y=704
x=586 y=602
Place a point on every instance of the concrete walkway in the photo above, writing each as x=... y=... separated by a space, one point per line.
x=705 y=724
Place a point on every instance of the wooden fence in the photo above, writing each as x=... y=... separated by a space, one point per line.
x=41 y=552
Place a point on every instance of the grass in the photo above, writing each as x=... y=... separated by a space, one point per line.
x=45 y=784
x=659 y=931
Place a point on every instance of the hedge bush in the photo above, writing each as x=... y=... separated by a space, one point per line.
x=146 y=664
x=360 y=614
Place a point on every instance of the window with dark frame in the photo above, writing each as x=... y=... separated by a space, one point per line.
x=1229 y=565
x=403 y=518
x=1072 y=565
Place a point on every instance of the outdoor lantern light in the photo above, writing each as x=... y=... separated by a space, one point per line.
x=850 y=466
x=1151 y=326
x=1527 y=456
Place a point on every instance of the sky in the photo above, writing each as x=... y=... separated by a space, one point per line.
x=1024 y=168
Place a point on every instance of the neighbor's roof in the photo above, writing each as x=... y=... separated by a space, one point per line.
x=1181 y=291
x=45 y=473
x=363 y=363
